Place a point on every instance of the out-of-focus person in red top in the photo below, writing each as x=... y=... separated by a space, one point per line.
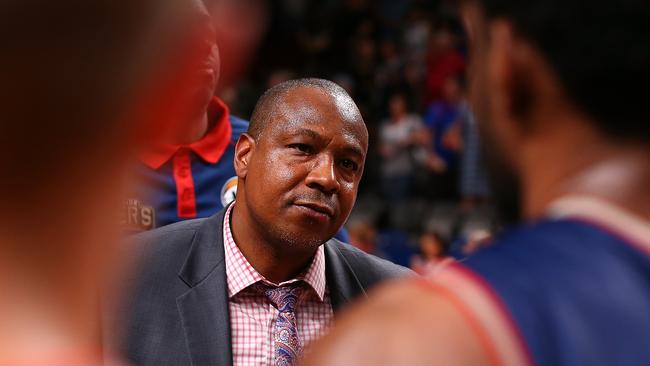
x=75 y=75
x=433 y=253
x=443 y=61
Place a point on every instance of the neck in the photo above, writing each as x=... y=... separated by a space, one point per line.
x=192 y=130
x=269 y=257
x=583 y=162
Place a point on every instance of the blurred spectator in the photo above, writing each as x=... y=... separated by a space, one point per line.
x=315 y=36
x=398 y=143
x=363 y=234
x=362 y=65
x=442 y=121
x=444 y=61
x=441 y=117
x=416 y=35
x=432 y=253
x=388 y=73
x=473 y=177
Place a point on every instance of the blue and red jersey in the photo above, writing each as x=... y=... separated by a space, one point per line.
x=177 y=182
x=573 y=289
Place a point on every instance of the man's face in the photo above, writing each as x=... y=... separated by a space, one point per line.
x=494 y=125
x=304 y=171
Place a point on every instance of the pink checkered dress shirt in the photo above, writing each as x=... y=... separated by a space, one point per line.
x=251 y=313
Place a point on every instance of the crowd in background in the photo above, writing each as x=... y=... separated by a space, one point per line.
x=424 y=190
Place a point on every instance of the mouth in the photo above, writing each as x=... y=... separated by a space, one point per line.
x=204 y=77
x=316 y=208
x=205 y=68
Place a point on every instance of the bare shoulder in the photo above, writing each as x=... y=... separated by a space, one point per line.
x=404 y=322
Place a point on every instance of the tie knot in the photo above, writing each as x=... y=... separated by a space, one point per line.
x=284 y=297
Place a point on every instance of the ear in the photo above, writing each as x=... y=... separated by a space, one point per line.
x=243 y=153
x=499 y=68
x=513 y=71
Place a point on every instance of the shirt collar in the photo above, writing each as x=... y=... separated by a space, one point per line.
x=210 y=147
x=241 y=274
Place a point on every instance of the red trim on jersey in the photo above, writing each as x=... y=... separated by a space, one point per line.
x=496 y=300
x=488 y=316
x=210 y=147
x=471 y=318
x=628 y=227
x=185 y=193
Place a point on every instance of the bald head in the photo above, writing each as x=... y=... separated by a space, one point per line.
x=274 y=102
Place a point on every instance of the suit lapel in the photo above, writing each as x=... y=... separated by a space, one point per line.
x=204 y=309
x=342 y=281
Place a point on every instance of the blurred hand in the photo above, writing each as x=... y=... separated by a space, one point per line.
x=422 y=137
x=436 y=163
x=477 y=240
x=452 y=139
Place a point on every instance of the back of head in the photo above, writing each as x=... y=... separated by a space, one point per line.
x=599 y=50
x=72 y=72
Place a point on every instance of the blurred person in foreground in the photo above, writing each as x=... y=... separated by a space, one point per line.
x=75 y=76
x=261 y=279
x=566 y=136
x=190 y=172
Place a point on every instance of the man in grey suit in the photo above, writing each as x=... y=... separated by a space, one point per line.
x=257 y=282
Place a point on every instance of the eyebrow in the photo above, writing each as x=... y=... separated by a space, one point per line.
x=355 y=151
x=351 y=148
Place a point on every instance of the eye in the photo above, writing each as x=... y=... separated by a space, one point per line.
x=350 y=165
x=303 y=148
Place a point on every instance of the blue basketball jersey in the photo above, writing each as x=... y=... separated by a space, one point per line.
x=575 y=288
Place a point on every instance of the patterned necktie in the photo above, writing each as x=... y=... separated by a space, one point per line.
x=286 y=343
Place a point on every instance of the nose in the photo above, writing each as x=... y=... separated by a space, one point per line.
x=323 y=176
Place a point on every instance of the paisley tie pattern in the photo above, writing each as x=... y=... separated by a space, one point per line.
x=287 y=348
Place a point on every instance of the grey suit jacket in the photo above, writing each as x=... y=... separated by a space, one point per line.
x=176 y=312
